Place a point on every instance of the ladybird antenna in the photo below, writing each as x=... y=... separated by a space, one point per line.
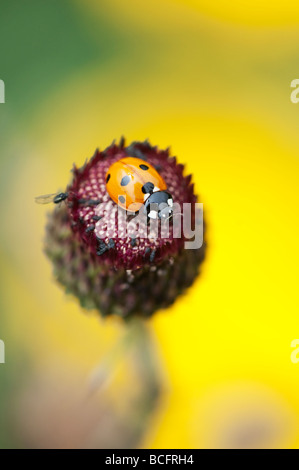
x=172 y=215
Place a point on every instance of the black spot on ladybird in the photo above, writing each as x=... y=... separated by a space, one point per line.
x=108 y=178
x=147 y=188
x=121 y=199
x=125 y=180
x=143 y=167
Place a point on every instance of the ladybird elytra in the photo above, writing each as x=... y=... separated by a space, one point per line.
x=130 y=181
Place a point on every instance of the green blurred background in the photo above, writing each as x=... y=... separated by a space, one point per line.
x=213 y=82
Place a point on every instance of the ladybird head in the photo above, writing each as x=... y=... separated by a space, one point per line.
x=159 y=205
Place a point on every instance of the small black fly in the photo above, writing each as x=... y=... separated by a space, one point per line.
x=56 y=198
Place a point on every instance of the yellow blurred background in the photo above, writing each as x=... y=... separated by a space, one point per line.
x=212 y=80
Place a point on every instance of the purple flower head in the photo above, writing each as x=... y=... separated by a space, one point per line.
x=114 y=260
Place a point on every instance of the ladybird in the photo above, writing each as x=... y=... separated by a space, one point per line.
x=131 y=183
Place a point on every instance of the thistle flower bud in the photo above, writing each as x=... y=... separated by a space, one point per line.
x=96 y=255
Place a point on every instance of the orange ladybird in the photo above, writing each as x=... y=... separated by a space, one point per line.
x=132 y=183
